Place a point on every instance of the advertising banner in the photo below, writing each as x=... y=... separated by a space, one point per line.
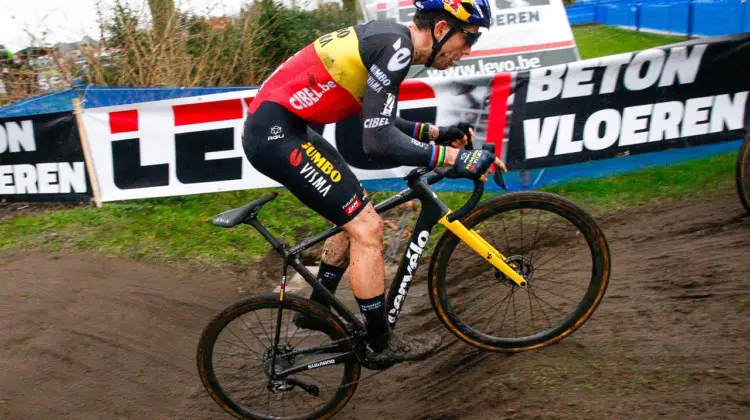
x=41 y=159
x=525 y=34
x=681 y=95
x=181 y=146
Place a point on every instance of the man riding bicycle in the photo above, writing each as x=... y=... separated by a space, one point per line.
x=359 y=70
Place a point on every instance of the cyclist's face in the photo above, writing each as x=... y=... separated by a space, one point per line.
x=455 y=47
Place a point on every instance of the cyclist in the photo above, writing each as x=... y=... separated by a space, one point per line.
x=359 y=70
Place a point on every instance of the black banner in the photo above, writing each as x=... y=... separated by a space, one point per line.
x=681 y=95
x=41 y=159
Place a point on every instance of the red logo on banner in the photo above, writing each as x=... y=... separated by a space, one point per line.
x=295 y=158
x=123 y=121
x=351 y=208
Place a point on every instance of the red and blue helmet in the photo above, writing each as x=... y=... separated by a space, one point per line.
x=474 y=12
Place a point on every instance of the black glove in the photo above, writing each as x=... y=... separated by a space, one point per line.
x=472 y=164
x=456 y=132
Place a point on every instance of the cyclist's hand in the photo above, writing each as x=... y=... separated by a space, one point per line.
x=476 y=164
x=455 y=136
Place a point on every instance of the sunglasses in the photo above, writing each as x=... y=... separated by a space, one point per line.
x=471 y=37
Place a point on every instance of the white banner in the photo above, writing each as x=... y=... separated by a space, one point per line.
x=525 y=34
x=194 y=145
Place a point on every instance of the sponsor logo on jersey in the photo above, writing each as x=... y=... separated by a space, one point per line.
x=375 y=122
x=379 y=75
x=295 y=158
x=374 y=84
x=400 y=59
x=275 y=133
x=390 y=101
x=309 y=96
x=321 y=162
x=352 y=205
x=419 y=144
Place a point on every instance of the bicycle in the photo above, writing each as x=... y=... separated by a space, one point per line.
x=282 y=379
x=743 y=173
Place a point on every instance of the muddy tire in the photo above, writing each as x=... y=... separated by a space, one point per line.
x=246 y=392
x=743 y=173
x=566 y=263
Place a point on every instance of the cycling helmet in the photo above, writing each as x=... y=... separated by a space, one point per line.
x=474 y=12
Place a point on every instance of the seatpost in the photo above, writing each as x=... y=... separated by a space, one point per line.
x=278 y=246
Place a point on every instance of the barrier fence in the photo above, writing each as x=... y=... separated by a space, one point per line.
x=679 y=17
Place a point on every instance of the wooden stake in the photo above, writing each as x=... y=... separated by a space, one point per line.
x=77 y=110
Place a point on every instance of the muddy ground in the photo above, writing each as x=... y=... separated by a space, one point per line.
x=93 y=337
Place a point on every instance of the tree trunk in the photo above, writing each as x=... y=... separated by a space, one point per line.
x=161 y=11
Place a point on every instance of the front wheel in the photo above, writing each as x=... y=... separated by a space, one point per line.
x=553 y=243
x=236 y=362
x=743 y=173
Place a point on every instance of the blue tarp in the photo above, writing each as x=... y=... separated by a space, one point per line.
x=97 y=96
x=695 y=18
x=59 y=101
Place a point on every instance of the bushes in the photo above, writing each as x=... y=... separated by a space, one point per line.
x=193 y=50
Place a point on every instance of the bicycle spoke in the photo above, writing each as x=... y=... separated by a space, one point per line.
x=478 y=293
x=264 y=328
x=531 y=311
x=555 y=294
x=247 y=327
x=309 y=333
x=515 y=321
x=505 y=315
x=541 y=306
x=225 y=355
x=562 y=270
x=545 y=302
x=536 y=234
x=510 y=293
x=520 y=212
x=240 y=340
x=286 y=334
x=536 y=279
x=505 y=231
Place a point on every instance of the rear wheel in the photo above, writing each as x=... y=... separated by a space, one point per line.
x=235 y=360
x=743 y=173
x=555 y=245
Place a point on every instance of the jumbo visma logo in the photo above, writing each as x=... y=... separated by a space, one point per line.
x=321 y=162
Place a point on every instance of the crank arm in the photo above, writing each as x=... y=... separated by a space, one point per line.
x=310 y=389
x=483 y=248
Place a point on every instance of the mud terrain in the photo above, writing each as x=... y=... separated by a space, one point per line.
x=94 y=337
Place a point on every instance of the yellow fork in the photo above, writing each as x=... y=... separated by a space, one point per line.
x=481 y=247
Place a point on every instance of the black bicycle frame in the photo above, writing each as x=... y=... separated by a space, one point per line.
x=431 y=212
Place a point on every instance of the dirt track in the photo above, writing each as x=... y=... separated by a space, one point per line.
x=88 y=337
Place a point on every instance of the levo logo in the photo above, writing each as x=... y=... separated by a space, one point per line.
x=295 y=158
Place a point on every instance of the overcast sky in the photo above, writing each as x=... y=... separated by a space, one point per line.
x=69 y=20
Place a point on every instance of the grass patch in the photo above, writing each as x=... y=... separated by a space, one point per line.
x=598 y=40
x=179 y=228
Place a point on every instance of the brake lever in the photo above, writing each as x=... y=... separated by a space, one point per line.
x=498 y=177
x=497 y=173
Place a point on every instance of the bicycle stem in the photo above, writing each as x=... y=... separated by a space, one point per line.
x=483 y=248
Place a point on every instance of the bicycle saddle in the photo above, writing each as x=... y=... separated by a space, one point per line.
x=234 y=217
